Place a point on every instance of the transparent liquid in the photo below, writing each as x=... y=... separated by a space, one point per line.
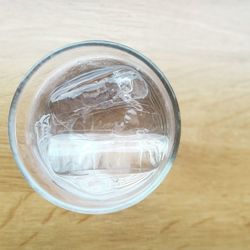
x=102 y=132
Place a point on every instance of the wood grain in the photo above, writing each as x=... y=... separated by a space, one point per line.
x=204 y=49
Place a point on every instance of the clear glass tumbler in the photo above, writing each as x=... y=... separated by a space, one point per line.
x=94 y=127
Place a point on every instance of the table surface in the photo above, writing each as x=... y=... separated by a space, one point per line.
x=204 y=49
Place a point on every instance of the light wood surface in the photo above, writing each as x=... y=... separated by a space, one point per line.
x=204 y=49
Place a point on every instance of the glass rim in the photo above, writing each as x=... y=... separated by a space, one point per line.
x=12 y=129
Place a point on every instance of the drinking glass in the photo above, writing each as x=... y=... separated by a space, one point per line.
x=94 y=127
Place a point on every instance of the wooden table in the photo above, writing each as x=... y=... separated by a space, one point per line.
x=204 y=49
